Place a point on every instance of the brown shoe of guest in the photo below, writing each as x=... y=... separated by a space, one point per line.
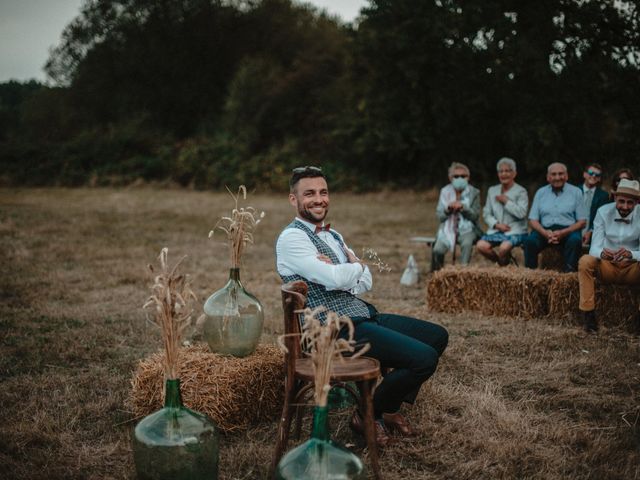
x=380 y=433
x=589 y=322
x=396 y=423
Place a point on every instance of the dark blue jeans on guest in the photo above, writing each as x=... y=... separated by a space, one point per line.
x=571 y=248
x=411 y=347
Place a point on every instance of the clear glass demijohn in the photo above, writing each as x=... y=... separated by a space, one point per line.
x=319 y=458
x=233 y=319
x=175 y=443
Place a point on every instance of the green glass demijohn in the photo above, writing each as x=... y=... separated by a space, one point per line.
x=319 y=458
x=233 y=319
x=175 y=443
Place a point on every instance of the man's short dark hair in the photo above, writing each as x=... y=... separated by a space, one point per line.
x=594 y=165
x=304 y=172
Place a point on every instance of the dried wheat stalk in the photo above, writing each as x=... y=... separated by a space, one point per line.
x=239 y=226
x=322 y=344
x=168 y=309
x=376 y=261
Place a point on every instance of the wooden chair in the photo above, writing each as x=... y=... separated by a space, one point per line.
x=364 y=371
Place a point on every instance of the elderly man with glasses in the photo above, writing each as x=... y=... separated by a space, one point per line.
x=458 y=212
x=615 y=249
x=593 y=196
x=557 y=217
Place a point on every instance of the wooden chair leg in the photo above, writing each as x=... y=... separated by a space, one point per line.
x=366 y=395
x=283 y=427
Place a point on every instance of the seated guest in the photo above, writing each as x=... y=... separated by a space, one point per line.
x=615 y=249
x=458 y=211
x=557 y=216
x=593 y=196
x=308 y=249
x=505 y=213
x=619 y=175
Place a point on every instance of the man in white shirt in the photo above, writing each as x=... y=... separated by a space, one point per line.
x=309 y=250
x=615 y=248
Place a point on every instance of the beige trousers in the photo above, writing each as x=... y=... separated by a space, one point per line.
x=624 y=273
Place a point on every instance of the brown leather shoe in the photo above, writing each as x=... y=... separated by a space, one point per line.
x=381 y=435
x=395 y=422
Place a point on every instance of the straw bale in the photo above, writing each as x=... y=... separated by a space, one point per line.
x=234 y=392
x=506 y=291
x=615 y=304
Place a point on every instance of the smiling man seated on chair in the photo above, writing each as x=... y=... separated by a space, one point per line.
x=310 y=250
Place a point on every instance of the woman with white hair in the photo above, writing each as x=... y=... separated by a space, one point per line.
x=505 y=213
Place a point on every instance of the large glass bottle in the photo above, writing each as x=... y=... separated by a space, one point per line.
x=175 y=442
x=233 y=319
x=319 y=458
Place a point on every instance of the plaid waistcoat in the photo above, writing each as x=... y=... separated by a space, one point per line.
x=339 y=301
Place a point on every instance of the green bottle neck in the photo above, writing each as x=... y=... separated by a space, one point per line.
x=320 y=429
x=172 y=397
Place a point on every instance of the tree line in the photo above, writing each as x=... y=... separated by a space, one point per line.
x=210 y=93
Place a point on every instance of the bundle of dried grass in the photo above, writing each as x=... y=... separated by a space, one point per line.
x=239 y=226
x=169 y=305
x=506 y=291
x=320 y=341
x=615 y=304
x=234 y=392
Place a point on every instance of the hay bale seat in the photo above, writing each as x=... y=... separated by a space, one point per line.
x=234 y=392
x=615 y=304
x=507 y=291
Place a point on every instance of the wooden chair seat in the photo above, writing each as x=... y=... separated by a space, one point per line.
x=357 y=369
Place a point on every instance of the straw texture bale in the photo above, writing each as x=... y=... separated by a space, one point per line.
x=506 y=291
x=615 y=304
x=234 y=392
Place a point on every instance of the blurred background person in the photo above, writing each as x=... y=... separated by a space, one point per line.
x=593 y=197
x=505 y=213
x=615 y=180
x=557 y=217
x=458 y=211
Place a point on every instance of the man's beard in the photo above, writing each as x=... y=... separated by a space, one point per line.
x=624 y=213
x=308 y=215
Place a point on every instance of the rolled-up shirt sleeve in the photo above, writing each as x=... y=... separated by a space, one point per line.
x=296 y=254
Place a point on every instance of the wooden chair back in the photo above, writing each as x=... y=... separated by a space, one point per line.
x=294 y=297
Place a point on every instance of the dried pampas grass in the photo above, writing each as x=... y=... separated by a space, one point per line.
x=239 y=226
x=234 y=392
x=168 y=309
x=320 y=342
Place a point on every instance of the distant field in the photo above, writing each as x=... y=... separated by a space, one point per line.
x=511 y=399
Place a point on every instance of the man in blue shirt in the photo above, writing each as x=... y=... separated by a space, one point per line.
x=557 y=217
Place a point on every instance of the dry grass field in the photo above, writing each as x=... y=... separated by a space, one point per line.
x=512 y=399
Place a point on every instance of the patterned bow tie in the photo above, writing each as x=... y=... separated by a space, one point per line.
x=622 y=220
x=325 y=228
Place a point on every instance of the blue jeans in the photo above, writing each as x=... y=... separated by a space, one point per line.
x=410 y=346
x=571 y=248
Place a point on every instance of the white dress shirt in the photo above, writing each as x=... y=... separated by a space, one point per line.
x=607 y=233
x=297 y=254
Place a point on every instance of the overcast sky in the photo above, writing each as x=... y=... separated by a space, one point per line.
x=29 y=28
